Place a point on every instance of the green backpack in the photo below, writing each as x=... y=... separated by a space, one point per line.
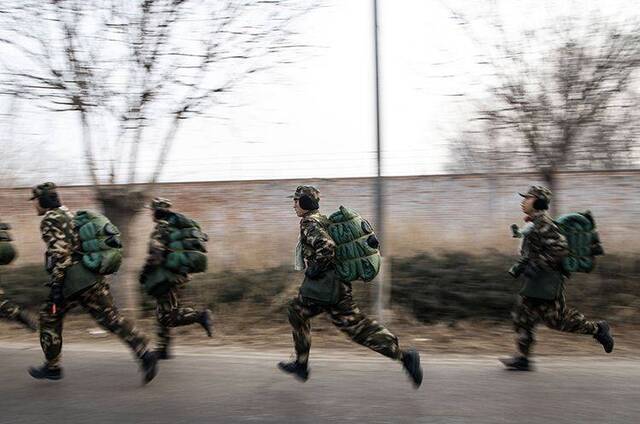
x=100 y=242
x=187 y=255
x=357 y=248
x=159 y=280
x=584 y=242
x=187 y=244
x=7 y=251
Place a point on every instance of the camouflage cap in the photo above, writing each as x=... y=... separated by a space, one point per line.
x=159 y=203
x=310 y=191
x=42 y=190
x=539 y=192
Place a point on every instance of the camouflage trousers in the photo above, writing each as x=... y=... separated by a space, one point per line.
x=98 y=302
x=345 y=315
x=169 y=314
x=8 y=309
x=553 y=313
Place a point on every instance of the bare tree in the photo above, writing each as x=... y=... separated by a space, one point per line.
x=133 y=71
x=561 y=99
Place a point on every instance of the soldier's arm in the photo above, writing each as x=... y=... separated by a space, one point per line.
x=59 y=250
x=318 y=237
x=553 y=245
x=157 y=245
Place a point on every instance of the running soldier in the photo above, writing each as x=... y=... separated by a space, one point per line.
x=316 y=253
x=542 y=298
x=169 y=311
x=62 y=253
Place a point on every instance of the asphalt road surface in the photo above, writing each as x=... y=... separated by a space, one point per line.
x=215 y=385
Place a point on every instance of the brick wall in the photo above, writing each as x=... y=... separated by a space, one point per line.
x=252 y=224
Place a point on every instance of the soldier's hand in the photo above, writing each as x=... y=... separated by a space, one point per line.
x=56 y=296
x=52 y=282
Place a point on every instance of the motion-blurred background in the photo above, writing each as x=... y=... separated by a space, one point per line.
x=224 y=107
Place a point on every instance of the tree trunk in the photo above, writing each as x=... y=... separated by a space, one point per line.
x=121 y=205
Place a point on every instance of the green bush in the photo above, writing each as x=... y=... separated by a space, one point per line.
x=447 y=287
x=25 y=285
x=456 y=286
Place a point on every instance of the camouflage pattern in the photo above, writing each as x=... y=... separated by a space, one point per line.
x=348 y=318
x=539 y=192
x=43 y=190
x=157 y=244
x=8 y=309
x=544 y=245
x=319 y=249
x=63 y=244
x=310 y=191
x=98 y=302
x=317 y=245
x=160 y=203
x=61 y=240
x=553 y=313
x=170 y=313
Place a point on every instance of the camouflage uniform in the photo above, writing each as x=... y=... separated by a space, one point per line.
x=319 y=250
x=9 y=310
x=544 y=247
x=63 y=245
x=169 y=312
x=96 y=300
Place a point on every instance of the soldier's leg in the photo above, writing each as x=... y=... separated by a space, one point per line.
x=350 y=320
x=8 y=309
x=300 y=314
x=13 y=312
x=559 y=317
x=172 y=314
x=99 y=303
x=163 y=318
x=169 y=313
x=51 y=333
x=525 y=318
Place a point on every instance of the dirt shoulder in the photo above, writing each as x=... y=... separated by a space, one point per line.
x=482 y=338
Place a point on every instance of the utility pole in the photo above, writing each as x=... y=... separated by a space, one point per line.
x=380 y=302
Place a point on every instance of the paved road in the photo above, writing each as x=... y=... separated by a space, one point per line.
x=221 y=386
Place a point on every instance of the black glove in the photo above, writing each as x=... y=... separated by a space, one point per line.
x=56 y=296
x=314 y=272
x=519 y=267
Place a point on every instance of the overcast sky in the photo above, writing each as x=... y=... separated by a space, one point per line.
x=315 y=118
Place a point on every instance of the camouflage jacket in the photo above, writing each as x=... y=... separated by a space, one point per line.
x=317 y=245
x=158 y=244
x=544 y=245
x=61 y=240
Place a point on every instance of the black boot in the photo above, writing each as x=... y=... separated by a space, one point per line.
x=163 y=353
x=149 y=362
x=604 y=337
x=28 y=320
x=206 y=321
x=411 y=364
x=45 y=372
x=299 y=371
x=516 y=363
